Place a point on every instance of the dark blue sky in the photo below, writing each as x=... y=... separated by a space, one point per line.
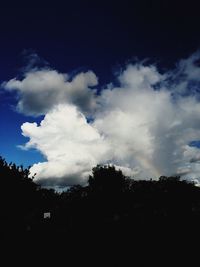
x=89 y=35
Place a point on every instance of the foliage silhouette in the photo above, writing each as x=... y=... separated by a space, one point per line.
x=111 y=207
x=106 y=179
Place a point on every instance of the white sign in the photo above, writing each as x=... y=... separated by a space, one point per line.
x=47 y=215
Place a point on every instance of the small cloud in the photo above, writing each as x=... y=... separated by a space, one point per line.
x=23 y=147
x=32 y=62
x=40 y=90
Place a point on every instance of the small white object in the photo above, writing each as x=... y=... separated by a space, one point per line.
x=47 y=215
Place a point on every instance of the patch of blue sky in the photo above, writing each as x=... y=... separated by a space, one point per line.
x=195 y=143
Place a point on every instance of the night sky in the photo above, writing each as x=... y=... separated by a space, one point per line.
x=110 y=44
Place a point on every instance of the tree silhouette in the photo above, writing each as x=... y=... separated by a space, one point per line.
x=18 y=189
x=111 y=208
x=107 y=179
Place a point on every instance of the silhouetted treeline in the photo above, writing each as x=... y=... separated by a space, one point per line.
x=110 y=208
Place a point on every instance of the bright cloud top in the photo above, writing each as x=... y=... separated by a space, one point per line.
x=71 y=146
x=144 y=125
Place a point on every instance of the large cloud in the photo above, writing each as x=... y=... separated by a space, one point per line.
x=144 y=126
x=71 y=146
x=41 y=90
x=149 y=128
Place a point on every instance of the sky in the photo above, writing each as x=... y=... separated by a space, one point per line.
x=91 y=82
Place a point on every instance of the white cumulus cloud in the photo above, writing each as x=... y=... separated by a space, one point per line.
x=40 y=90
x=144 y=125
x=70 y=145
x=149 y=128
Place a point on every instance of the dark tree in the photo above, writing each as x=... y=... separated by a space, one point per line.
x=107 y=179
x=17 y=188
